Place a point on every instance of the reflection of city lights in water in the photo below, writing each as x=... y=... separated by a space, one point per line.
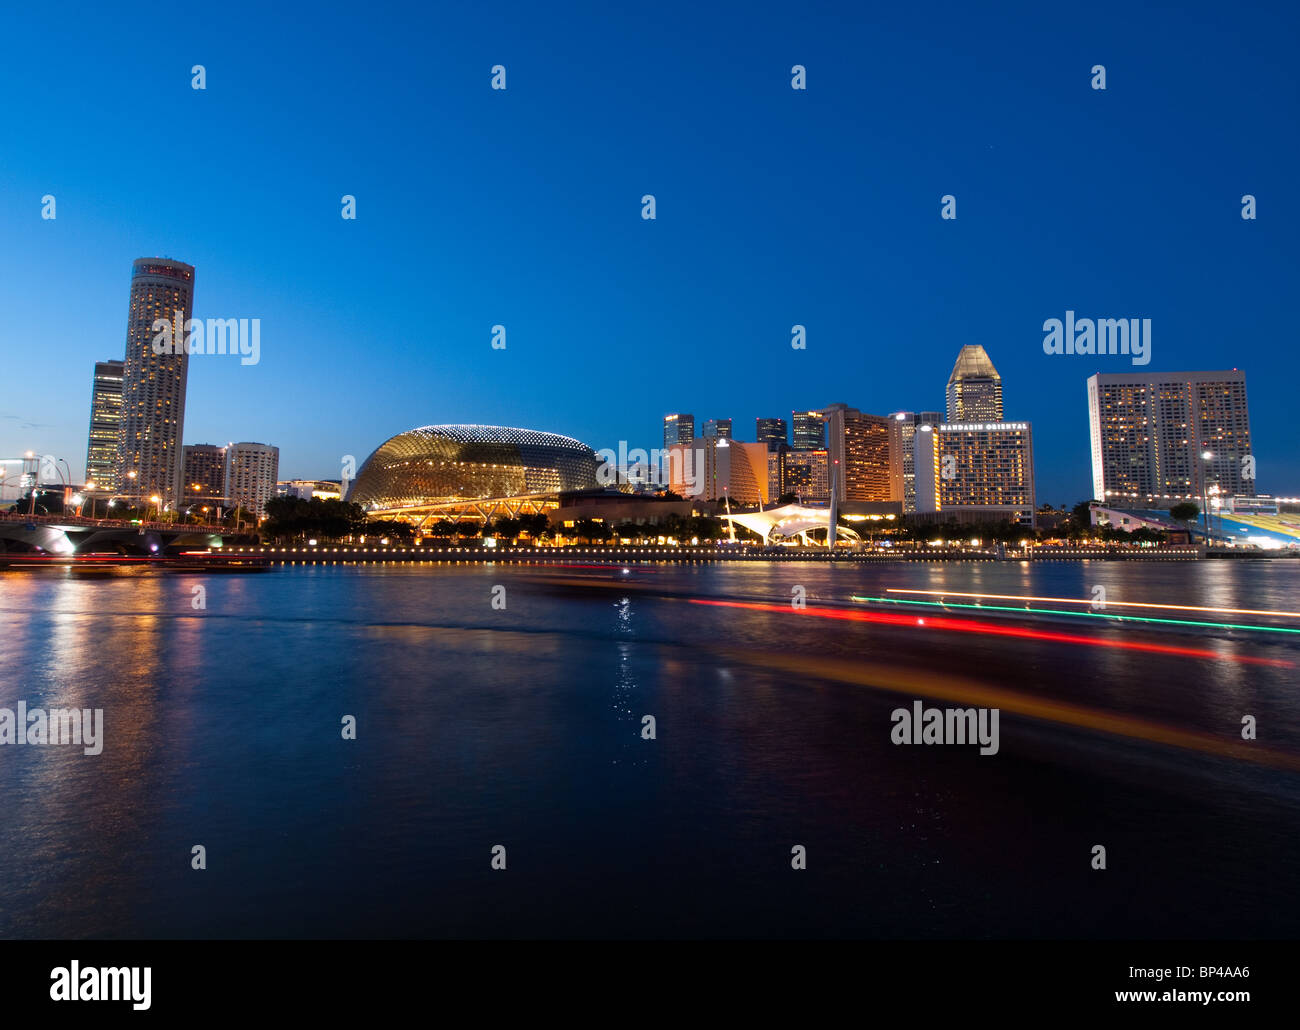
x=626 y=683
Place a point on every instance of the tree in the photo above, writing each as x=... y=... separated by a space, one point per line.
x=536 y=525
x=787 y=498
x=629 y=531
x=402 y=531
x=675 y=526
x=291 y=518
x=1185 y=512
x=705 y=527
x=239 y=518
x=507 y=528
x=1080 y=521
x=442 y=528
x=590 y=530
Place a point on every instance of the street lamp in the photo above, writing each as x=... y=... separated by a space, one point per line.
x=156 y=500
x=1207 y=457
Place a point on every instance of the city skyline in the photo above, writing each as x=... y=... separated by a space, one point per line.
x=876 y=467
x=739 y=253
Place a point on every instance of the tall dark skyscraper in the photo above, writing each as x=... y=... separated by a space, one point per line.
x=974 y=388
x=809 y=430
x=719 y=427
x=149 y=456
x=105 y=425
x=770 y=431
x=678 y=429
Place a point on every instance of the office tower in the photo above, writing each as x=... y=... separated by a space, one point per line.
x=770 y=431
x=975 y=467
x=1150 y=431
x=974 y=388
x=809 y=430
x=902 y=435
x=205 y=475
x=252 y=470
x=678 y=429
x=713 y=468
x=858 y=450
x=149 y=457
x=804 y=473
x=719 y=427
x=105 y=424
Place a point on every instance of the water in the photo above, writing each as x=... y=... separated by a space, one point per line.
x=522 y=727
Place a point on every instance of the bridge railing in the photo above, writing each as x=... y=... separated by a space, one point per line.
x=80 y=520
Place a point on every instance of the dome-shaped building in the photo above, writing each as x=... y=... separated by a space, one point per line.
x=441 y=465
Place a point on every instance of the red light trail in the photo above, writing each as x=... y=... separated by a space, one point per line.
x=992 y=629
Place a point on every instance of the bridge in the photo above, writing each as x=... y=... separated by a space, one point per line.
x=70 y=535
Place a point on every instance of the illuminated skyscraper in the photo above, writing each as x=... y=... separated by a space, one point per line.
x=902 y=436
x=719 y=427
x=149 y=456
x=770 y=431
x=678 y=429
x=974 y=388
x=806 y=473
x=809 y=430
x=205 y=474
x=105 y=425
x=858 y=446
x=1150 y=432
x=975 y=468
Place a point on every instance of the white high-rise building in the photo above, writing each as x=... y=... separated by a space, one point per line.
x=252 y=470
x=1151 y=431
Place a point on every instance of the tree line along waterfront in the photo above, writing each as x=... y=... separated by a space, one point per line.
x=293 y=520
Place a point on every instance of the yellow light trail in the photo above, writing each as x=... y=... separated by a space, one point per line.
x=927 y=684
x=1108 y=604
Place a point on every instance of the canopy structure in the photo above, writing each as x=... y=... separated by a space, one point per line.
x=786 y=521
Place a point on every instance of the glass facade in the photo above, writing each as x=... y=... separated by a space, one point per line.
x=770 y=431
x=105 y=424
x=434 y=464
x=809 y=430
x=678 y=429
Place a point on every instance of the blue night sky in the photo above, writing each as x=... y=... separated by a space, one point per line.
x=522 y=207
